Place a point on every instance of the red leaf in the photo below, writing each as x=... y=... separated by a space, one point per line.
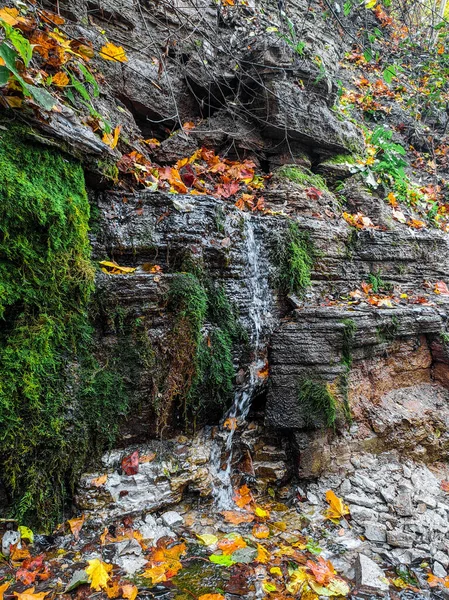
x=130 y=464
x=313 y=193
x=441 y=288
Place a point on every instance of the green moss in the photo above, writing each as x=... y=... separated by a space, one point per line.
x=388 y=331
x=58 y=408
x=201 y=371
x=302 y=176
x=377 y=283
x=317 y=402
x=348 y=337
x=341 y=159
x=295 y=256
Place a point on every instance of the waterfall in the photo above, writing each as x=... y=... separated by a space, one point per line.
x=259 y=310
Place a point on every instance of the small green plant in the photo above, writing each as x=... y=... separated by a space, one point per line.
x=388 y=331
x=444 y=337
x=349 y=331
x=290 y=38
x=302 y=176
x=295 y=256
x=377 y=283
x=317 y=402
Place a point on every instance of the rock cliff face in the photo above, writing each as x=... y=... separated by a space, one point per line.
x=368 y=329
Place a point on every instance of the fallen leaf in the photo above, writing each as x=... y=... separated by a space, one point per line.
x=61 y=79
x=228 y=545
x=261 y=512
x=147 y=458
x=75 y=526
x=130 y=463
x=322 y=570
x=211 y=597
x=445 y=486
x=129 y=591
x=112 y=140
x=261 y=531
x=263 y=556
x=236 y=518
x=208 y=539
x=111 y=52
x=3 y=588
x=223 y=560
x=98 y=572
x=157 y=574
x=243 y=496
x=26 y=534
x=313 y=193
x=337 y=508
x=30 y=595
x=19 y=554
x=99 y=481
x=112 y=589
x=230 y=424
x=441 y=288
x=114 y=269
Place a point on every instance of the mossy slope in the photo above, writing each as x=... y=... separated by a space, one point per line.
x=55 y=401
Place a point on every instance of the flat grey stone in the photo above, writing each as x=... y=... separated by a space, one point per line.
x=375 y=532
x=361 y=500
x=369 y=575
x=399 y=539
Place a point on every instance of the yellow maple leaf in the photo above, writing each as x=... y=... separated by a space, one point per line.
x=3 y=589
x=111 y=140
x=337 y=508
x=156 y=574
x=98 y=573
x=263 y=556
x=30 y=595
x=261 y=512
x=129 y=591
x=111 y=52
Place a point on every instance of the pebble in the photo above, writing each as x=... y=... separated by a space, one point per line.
x=171 y=518
x=439 y=570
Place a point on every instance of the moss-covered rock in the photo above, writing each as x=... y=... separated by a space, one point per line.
x=58 y=407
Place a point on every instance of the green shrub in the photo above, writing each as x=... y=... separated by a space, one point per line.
x=294 y=256
x=58 y=407
x=317 y=401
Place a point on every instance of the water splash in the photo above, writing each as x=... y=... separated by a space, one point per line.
x=259 y=312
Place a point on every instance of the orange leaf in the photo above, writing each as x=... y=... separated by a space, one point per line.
x=112 y=589
x=146 y=458
x=323 y=570
x=99 y=481
x=61 y=79
x=211 y=597
x=230 y=424
x=230 y=545
x=129 y=591
x=10 y=16
x=20 y=554
x=236 y=518
x=416 y=224
x=75 y=526
x=261 y=531
x=243 y=496
x=445 y=486
x=115 y=53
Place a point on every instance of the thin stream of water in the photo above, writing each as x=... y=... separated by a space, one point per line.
x=258 y=310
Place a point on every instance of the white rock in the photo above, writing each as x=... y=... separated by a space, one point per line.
x=9 y=539
x=438 y=569
x=370 y=575
x=129 y=556
x=172 y=518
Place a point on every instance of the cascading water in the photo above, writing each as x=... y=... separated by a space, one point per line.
x=259 y=309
